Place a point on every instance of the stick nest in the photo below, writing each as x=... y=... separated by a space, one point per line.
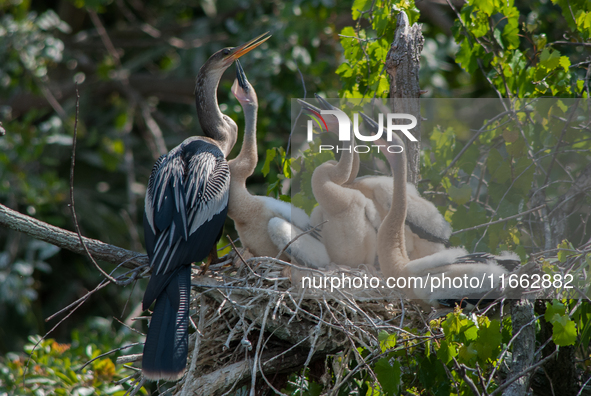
x=251 y=315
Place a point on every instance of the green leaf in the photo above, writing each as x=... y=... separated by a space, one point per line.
x=274 y=189
x=453 y=324
x=497 y=36
x=479 y=25
x=65 y=378
x=388 y=375
x=460 y=195
x=550 y=59
x=314 y=389
x=524 y=170
x=271 y=154
x=345 y=70
x=446 y=351
x=499 y=168
x=469 y=332
x=466 y=56
x=489 y=340
x=360 y=6
x=382 y=20
x=388 y=343
x=432 y=373
x=564 y=250
x=383 y=335
x=286 y=166
x=467 y=353
x=564 y=62
x=511 y=31
x=564 y=331
x=302 y=201
x=554 y=308
x=487 y=6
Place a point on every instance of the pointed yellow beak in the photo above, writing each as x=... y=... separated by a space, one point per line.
x=237 y=52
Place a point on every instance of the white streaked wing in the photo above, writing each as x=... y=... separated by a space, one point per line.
x=288 y=212
x=198 y=195
x=149 y=207
x=211 y=196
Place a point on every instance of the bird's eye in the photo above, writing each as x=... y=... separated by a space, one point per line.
x=226 y=51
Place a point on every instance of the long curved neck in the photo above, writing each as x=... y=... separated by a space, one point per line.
x=391 y=242
x=246 y=161
x=354 y=168
x=328 y=180
x=241 y=167
x=210 y=117
x=341 y=172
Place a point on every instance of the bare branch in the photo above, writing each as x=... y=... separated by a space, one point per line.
x=69 y=240
x=508 y=382
x=571 y=43
x=72 y=207
x=499 y=221
x=473 y=139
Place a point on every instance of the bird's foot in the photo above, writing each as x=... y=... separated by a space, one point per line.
x=213 y=258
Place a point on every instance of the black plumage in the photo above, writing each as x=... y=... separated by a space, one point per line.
x=186 y=206
x=185 y=209
x=478 y=299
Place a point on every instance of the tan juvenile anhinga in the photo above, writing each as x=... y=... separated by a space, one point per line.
x=265 y=225
x=351 y=219
x=453 y=262
x=427 y=231
x=185 y=209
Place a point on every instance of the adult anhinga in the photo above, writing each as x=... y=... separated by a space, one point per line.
x=427 y=231
x=185 y=209
x=453 y=262
x=265 y=225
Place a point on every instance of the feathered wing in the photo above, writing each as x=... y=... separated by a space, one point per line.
x=476 y=275
x=424 y=219
x=186 y=206
x=306 y=250
x=289 y=222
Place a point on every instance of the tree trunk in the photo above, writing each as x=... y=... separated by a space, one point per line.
x=402 y=64
x=522 y=314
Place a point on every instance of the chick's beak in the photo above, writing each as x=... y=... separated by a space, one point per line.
x=241 y=77
x=308 y=107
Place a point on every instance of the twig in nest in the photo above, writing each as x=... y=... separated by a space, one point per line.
x=124 y=380
x=140 y=382
x=258 y=348
x=108 y=353
x=129 y=327
x=312 y=229
x=240 y=255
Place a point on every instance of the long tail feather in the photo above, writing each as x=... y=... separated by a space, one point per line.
x=166 y=347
